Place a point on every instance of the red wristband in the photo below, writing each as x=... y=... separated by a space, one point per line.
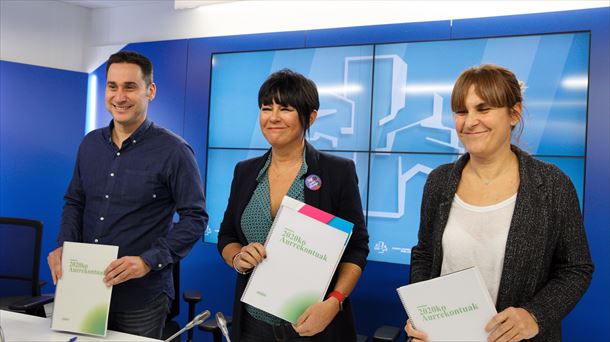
x=340 y=296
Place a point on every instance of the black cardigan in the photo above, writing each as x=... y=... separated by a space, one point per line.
x=338 y=195
x=547 y=264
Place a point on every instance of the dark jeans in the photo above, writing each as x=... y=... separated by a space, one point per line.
x=148 y=321
x=254 y=330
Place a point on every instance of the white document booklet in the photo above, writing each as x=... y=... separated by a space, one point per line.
x=454 y=307
x=303 y=248
x=82 y=300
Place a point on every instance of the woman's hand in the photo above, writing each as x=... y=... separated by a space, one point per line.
x=512 y=324
x=416 y=335
x=249 y=256
x=317 y=317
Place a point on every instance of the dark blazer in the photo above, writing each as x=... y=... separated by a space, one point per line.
x=338 y=195
x=547 y=264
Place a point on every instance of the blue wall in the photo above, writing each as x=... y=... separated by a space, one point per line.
x=42 y=117
x=38 y=145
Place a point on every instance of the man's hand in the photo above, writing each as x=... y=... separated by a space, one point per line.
x=124 y=269
x=317 y=317
x=54 y=260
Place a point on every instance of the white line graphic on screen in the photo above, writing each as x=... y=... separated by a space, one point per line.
x=399 y=83
x=435 y=121
x=323 y=112
x=334 y=141
x=403 y=178
x=399 y=79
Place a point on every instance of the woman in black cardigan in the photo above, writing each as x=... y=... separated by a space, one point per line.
x=539 y=265
x=288 y=106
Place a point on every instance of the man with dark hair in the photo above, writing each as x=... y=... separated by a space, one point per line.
x=129 y=180
x=133 y=58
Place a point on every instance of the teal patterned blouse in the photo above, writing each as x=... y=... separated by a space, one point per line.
x=256 y=219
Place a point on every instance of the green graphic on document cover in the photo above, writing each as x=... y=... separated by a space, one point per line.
x=94 y=321
x=291 y=239
x=433 y=312
x=294 y=307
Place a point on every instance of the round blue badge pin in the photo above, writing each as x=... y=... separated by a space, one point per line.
x=313 y=182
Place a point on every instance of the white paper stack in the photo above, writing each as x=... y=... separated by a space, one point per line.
x=454 y=307
x=303 y=248
x=82 y=300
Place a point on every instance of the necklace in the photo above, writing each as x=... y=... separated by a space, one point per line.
x=499 y=175
x=287 y=170
x=486 y=181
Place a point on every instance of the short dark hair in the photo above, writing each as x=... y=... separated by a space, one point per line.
x=289 y=88
x=133 y=58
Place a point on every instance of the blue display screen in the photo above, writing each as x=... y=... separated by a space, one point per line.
x=387 y=107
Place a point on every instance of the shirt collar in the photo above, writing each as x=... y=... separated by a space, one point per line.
x=135 y=136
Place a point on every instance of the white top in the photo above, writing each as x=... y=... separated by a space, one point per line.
x=476 y=236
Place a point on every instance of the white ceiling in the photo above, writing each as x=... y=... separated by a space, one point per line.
x=178 y=4
x=112 y=3
x=39 y=32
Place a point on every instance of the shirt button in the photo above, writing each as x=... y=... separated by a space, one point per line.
x=106 y=196
x=159 y=265
x=154 y=195
x=111 y=174
x=96 y=240
x=118 y=153
x=133 y=141
x=102 y=218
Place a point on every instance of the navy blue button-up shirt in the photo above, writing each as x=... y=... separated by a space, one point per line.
x=127 y=197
